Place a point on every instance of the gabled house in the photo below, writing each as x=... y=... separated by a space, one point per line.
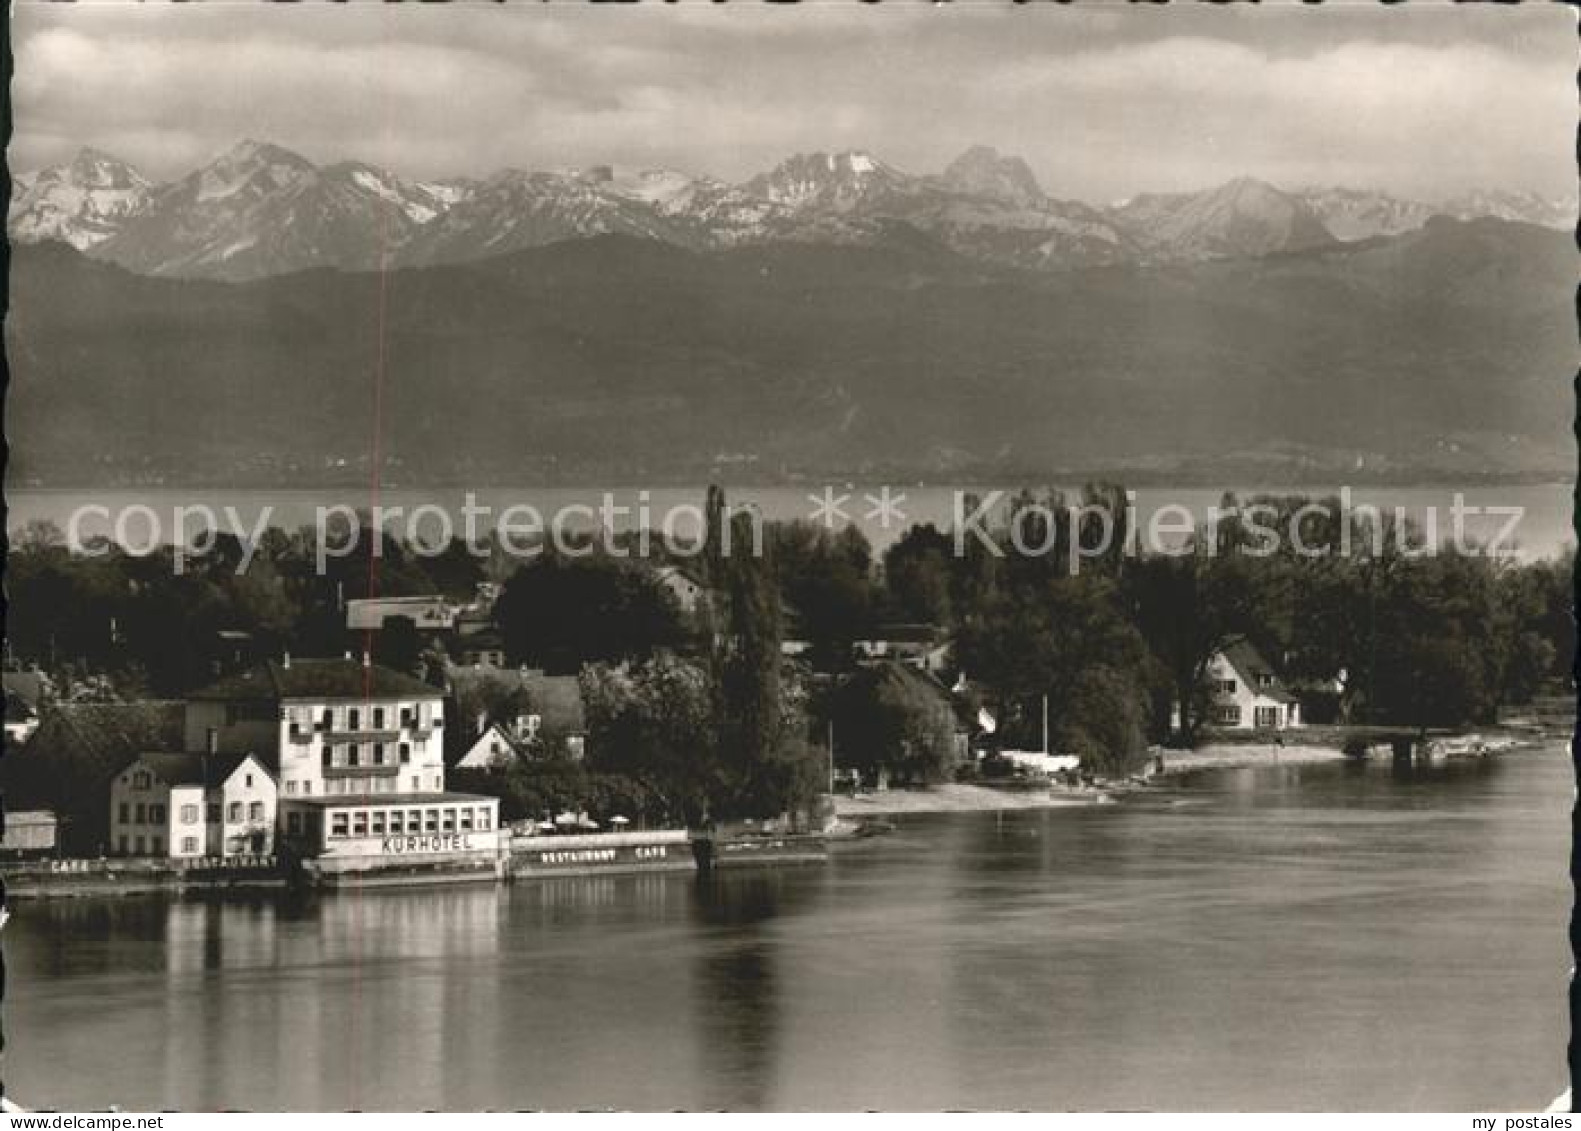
x=495 y=747
x=21 y=719
x=550 y=709
x=358 y=752
x=184 y=806
x=1245 y=693
x=327 y=726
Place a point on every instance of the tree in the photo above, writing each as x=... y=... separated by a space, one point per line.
x=559 y=613
x=917 y=576
x=652 y=724
x=764 y=766
x=889 y=717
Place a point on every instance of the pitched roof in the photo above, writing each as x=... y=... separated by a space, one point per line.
x=318 y=679
x=556 y=698
x=18 y=709
x=109 y=732
x=195 y=769
x=1248 y=662
x=28 y=686
x=501 y=733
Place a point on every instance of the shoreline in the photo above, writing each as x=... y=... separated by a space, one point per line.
x=962 y=797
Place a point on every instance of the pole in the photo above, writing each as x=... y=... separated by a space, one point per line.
x=1046 y=749
x=831 y=757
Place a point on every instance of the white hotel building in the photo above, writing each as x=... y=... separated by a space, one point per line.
x=356 y=753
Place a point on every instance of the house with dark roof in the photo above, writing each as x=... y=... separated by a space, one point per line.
x=188 y=806
x=1245 y=693
x=550 y=708
x=326 y=726
x=67 y=765
x=357 y=751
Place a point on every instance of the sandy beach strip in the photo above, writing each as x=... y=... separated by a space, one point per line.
x=957 y=797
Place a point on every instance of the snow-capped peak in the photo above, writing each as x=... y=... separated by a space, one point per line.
x=83 y=201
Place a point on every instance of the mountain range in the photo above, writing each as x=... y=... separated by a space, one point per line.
x=259 y=210
x=1443 y=353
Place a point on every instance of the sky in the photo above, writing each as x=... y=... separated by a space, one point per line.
x=1103 y=100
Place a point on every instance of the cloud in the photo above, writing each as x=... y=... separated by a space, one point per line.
x=1102 y=103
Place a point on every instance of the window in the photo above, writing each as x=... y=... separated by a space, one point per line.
x=142 y=813
x=337 y=824
x=1227 y=715
x=326 y=720
x=1266 y=716
x=140 y=846
x=290 y=786
x=1264 y=680
x=449 y=824
x=329 y=756
x=307 y=787
x=189 y=845
x=189 y=814
x=249 y=781
x=378 y=718
x=353 y=754
x=483 y=820
x=417 y=783
x=406 y=752
x=431 y=820
x=376 y=825
x=378 y=753
x=1224 y=686
x=142 y=779
x=125 y=813
x=158 y=846
x=255 y=811
x=121 y=845
x=293 y=823
x=439 y=781
x=414 y=821
x=359 y=824
x=156 y=814
x=234 y=813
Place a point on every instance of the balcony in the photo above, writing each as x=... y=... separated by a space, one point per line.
x=388 y=770
x=363 y=734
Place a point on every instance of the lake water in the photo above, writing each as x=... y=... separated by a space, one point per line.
x=1297 y=937
x=1541 y=528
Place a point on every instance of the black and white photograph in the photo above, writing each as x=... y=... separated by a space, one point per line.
x=962 y=556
